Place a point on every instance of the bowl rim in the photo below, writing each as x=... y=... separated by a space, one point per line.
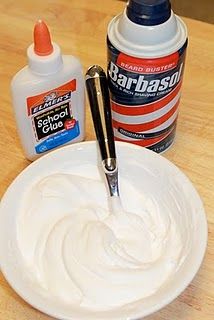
x=24 y=295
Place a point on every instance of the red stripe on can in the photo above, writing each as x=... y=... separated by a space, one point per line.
x=148 y=125
x=147 y=142
x=147 y=108
x=149 y=66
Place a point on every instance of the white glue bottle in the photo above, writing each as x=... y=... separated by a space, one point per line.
x=146 y=56
x=48 y=97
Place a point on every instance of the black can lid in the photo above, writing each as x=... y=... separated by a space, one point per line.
x=148 y=12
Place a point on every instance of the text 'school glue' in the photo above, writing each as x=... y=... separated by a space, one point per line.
x=48 y=97
x=146 y=56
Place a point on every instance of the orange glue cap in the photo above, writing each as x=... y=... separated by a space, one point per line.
x=42 y=39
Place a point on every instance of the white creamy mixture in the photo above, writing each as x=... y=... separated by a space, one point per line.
x=85 y=255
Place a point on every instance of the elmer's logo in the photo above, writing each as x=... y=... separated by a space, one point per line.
x=50 y=100
x=50 y=97
x=38 y=103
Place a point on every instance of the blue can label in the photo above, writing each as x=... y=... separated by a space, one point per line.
x=145 y=94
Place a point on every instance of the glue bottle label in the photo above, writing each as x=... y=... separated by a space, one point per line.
x=51 y=117
x=145 y=95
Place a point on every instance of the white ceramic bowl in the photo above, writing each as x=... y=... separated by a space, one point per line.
x=130 y=159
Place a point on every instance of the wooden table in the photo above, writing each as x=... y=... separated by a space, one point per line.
x=79 y=27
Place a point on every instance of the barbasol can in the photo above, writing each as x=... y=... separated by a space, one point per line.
x=146 y=57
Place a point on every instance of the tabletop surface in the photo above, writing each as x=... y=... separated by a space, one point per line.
x=79 y=27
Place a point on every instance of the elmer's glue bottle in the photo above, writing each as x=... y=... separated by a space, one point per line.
x=146 y=55
x=48 y=97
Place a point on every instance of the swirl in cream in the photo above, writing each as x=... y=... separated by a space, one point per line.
x=83 y=254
